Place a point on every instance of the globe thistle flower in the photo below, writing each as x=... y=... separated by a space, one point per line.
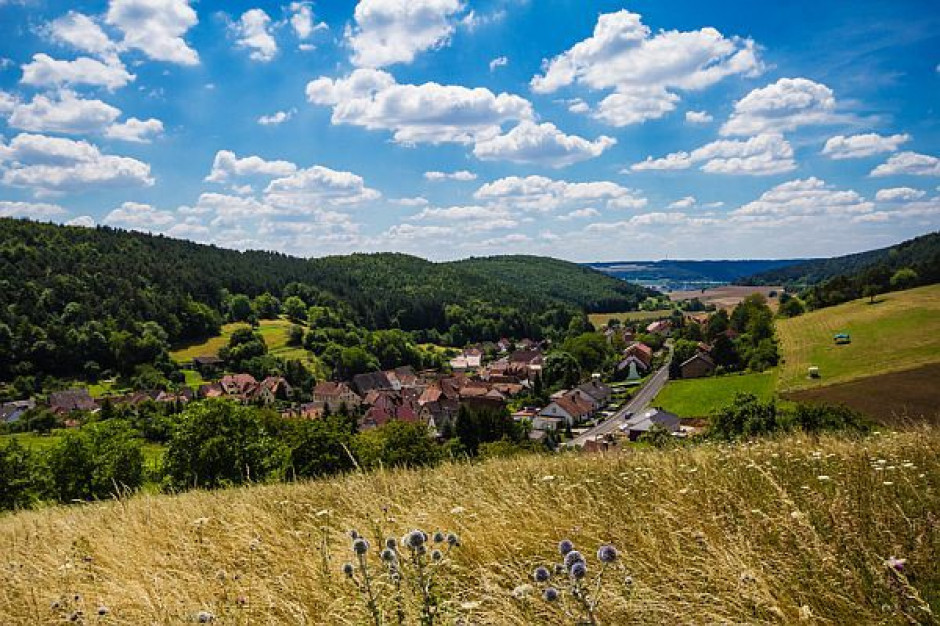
x=422 y=549
x=573 y=557
x=453 y=540
x=541 y=574
x=348 y=569
x=353 y=534
x=565 y=546
x=578 y=570
x=389 y=555
x=414 y=540
x=360 y=546
x=550 y=594
x=391 y=544
x=628 y=581
x=204 y=617
x=438 y=537
x=437 y=555
x=54 y=605
x=607 y=554
x=102 y=610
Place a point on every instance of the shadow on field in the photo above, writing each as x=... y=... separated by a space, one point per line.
x=894 y=399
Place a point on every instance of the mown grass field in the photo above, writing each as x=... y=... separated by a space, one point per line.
x=701 y=397
x=600 y=319
x=795 y=530
x=901 y=331
x=274 y=333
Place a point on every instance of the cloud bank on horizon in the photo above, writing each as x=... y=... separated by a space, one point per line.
x=449 y=128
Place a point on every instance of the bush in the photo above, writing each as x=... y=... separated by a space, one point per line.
x=95 y=462
x=218 y=442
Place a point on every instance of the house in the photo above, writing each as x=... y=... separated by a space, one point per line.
x=637 y=425
x=634 y=366
x=308 y=411
x=63 y=402
x=333 y=395
x=641 y=351
x=659 y=327
x=405 y=375
x=596 y=390
x=697 y=366
x=207 y=365
x=572 y=409
x=547 y=422
x=240 y=386
x=12 y=411
x=364 y=383
x=210 y=390
x=270 y=390
x=503 y=345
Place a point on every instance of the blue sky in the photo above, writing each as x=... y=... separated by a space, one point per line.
x=451 y=128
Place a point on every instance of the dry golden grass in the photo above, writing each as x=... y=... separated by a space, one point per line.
x=710 y=534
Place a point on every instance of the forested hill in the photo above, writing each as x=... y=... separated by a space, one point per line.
x=922 y=254
x=69 y=293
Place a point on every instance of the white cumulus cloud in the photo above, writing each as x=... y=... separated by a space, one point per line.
x=543 y=194
x=227 y=166
x=698 y=117
x=541 y=144
x=386 y=32
x=135 y=130
x=44 y=71
x=426 y=113
x=63 y=112
x=782 y=106
x=461 y=175
x=253 y=32
x=31 y=210
x=757 y=156
x=644 y=70
x=802 y=197
x=156 y=28
x=909 y=163
x=859 y=146
x=898 y=194
x=55 y=164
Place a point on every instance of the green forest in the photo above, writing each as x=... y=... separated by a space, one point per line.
x=827 y=282
x=81 y=302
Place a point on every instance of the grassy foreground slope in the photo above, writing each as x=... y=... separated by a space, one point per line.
x=710 y=534
x=901 y=331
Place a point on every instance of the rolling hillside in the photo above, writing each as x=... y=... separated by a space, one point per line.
x=920 y=252
x=901 y=331
x=778 y=532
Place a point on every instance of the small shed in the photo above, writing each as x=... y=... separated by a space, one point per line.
x=842 y=338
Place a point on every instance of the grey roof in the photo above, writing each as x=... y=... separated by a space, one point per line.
x=645 y=421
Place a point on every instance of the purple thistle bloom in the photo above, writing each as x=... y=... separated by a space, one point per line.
x=573 y=557
x=607 y=554
x=437 y=555
x=565 y=546
x=390 y=543
x=348 y=569
x=353 y=534
x=415 y=539
x=438 y=537
x=388 y=555
x=360 y=546
x=578 y=570
x=550 y=594
x=453 y=540
x=541 y=574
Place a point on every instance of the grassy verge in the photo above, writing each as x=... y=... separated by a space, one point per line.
x=785 y=531
x=701 y=397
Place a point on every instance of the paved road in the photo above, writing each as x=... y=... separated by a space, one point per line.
x=639 y=402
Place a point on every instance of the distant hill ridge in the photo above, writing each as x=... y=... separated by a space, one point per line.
x=921 y=252
x=721 y=271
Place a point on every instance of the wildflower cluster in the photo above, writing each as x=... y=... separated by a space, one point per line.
x=571 y=578
x=407 y=569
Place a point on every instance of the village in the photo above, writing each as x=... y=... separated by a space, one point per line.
x=509 y=382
